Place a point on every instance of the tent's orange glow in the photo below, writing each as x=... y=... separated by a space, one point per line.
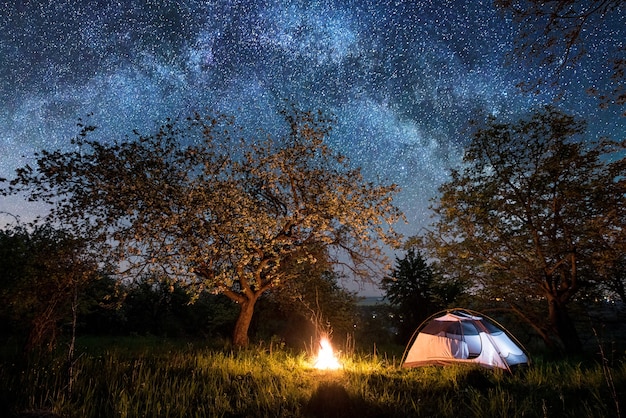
x=326 y=359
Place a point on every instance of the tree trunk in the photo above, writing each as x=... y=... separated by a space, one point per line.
x=240 y=334
x=564 y=327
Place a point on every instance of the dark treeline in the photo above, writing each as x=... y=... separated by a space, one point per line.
x=46 y=297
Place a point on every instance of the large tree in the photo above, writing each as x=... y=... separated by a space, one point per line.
x=529 y=213
x=557 y=35
x=213 y=207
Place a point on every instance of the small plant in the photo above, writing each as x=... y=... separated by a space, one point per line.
x=608 y=374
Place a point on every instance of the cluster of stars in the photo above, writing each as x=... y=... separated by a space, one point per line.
x=401 y=77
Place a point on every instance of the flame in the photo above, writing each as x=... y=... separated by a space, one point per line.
x=326 y=359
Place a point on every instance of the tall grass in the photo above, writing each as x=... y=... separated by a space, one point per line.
x=188 y=381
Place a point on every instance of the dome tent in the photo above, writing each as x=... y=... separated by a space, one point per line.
x=463 y=336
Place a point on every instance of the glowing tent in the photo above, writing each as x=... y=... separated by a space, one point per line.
x=462 y=336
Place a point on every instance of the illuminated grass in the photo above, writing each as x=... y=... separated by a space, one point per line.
x=187 y=381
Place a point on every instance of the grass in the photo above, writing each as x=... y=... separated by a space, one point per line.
x=155 y=378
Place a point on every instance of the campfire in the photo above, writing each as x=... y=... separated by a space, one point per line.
x=326 y=359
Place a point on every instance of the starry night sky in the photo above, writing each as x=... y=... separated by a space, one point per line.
x=402 y=77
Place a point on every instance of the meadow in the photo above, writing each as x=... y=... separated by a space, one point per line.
x=159 y=378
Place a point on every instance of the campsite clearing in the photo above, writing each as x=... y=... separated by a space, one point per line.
x=135 y=377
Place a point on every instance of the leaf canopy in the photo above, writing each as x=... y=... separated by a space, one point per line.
x=202 y=203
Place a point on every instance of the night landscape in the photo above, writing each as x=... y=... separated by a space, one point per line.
x=312 y=208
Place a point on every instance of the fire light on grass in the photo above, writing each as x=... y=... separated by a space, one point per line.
x=326 y=359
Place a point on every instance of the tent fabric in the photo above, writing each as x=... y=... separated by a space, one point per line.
x=462 y=336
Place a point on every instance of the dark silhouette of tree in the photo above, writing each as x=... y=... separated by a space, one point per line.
x=616 y=277
x=413 y=291
x=43 y=272
x=197 y=202
x=530 y=212
x=558 y=35
x=101 y=307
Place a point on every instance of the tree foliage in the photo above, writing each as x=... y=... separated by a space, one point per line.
x=199 y=202
x=530 y=214
x=43 y=271
x=161 y=306
x=556 y=35
x=415 y=291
